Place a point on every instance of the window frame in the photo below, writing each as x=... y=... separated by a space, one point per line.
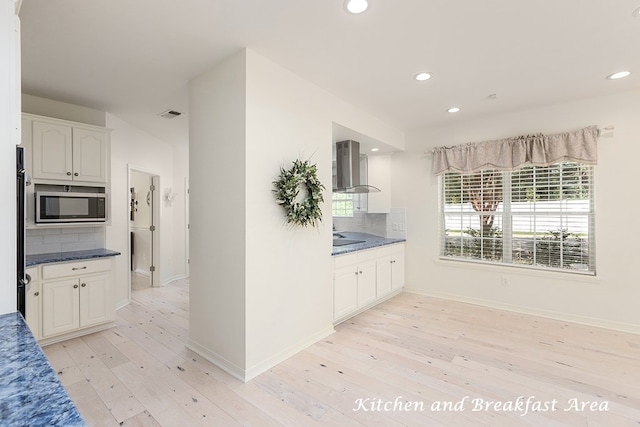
x=504 y=216
x=339 y=198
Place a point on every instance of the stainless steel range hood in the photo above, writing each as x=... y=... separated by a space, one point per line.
x=348 y=169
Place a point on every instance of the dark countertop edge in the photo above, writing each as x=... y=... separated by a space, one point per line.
x=370 y=241
x=33 y=260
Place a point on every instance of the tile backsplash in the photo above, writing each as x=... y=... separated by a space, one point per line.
x=47 y=240
x=392 y=225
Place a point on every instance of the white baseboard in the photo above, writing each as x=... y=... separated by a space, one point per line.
x=272 y=361
x=142 y=272
x=122 y=304
x=245 y=375
x=213 y=357
x=583 y=320
x=172 y=278
x=354 y=313
x=75 y=334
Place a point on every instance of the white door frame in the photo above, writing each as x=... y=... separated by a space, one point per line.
x=155 y=209
x=187 y=224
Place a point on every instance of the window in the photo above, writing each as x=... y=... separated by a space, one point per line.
x=536 y=216
x=342 y=205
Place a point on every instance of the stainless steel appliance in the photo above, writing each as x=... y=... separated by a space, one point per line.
x=349 y=178
x=65 y=207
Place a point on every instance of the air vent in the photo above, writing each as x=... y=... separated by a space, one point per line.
x=170 y=114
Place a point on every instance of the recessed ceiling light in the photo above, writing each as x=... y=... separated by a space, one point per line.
x=422 y=76
x=618 y=75
x=356 y=6
x=636 y=13
x=453 y=110
x=374 y=149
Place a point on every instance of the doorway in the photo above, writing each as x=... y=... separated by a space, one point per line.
x=143 y=228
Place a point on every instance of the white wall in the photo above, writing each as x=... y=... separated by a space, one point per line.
x=9 y=111
x=260 y=289
x=178 y=205
x=218 y=232
x=610 y=299
x=132 y=146
x=62 y=110
x=289 y=269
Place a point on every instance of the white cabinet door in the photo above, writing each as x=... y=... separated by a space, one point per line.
x=397 y=267
x=68 y=153
x=383 y=275
x=52 y=151
x=366 y=283
x=89 y=155
x=60 y=307
x=32 y=303
x=95 y=301
x=345 y=291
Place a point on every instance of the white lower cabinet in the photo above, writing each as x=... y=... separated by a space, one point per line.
x=96 y=306
x=75 y=296
x=60 y=307
x=390 y=269
x=364 y=278
x=397 y=267
x=345 y=292
x=354 y=285
x=33 y=306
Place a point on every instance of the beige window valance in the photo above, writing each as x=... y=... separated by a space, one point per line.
x=512 y=153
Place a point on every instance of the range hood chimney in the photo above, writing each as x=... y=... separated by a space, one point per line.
x=348 y=169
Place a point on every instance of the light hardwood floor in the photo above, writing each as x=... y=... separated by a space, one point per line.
x=440 y=359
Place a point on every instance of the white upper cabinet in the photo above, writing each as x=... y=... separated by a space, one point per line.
x=65 y=152
x=89 y=155
x=52 y=151
x=379 y=170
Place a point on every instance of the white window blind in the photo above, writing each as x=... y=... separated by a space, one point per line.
x=535 y=216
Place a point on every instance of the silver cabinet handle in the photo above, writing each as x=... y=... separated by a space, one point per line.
x=79 y=268
x=75 y=286
x=75 y=174
x=84 y=285
x=35 y=294
x=69 y=173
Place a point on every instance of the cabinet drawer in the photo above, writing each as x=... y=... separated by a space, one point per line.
x=75 y=268
x=385 y=251
x=341 y=261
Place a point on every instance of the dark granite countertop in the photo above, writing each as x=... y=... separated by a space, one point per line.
x=368 y=241
x=68 y=256
x=30 y=392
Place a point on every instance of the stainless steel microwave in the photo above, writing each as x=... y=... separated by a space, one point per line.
x=53 y=206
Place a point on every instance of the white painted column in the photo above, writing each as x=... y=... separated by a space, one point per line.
x=9 y=136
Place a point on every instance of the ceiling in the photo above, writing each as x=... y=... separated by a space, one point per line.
x=134 y=59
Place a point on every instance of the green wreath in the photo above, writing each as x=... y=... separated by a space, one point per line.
x=306 y=212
